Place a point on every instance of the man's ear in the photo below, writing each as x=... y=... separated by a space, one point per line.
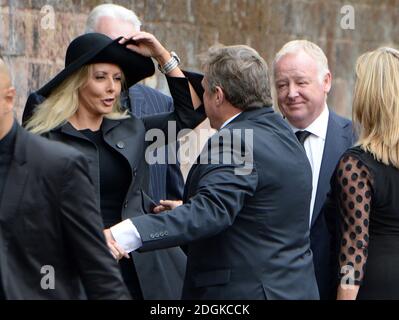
x=9 y=96
x=327 y=81
x=219 y=95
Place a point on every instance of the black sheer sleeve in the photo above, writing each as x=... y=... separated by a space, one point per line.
x=354 y=184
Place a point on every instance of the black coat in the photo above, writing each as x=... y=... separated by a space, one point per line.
x=160 y=273
x=49 y=217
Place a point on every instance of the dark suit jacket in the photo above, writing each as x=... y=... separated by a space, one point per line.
x=166 y=180
x=339 y=138
x=247 y=235
x=49 y=217
x=160 y=273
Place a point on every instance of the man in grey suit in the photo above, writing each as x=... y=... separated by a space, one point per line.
x=246 y=203
x=302 y=80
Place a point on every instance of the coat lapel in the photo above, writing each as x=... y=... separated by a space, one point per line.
x=335 y=145
x=124 y=141
x=16 y=179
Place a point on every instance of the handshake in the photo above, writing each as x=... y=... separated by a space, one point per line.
x=116 y=250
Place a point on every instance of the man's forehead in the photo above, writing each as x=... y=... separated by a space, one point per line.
x=296 y=58
x=300 y=64
x=114 y=28
x=291 y=72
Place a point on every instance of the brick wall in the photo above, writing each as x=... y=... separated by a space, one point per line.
x=36 y=51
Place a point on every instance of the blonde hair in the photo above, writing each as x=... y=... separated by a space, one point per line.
x=313 y=50
x=376 y=104
x=63 y=103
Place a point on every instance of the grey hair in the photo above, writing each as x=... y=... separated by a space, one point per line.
x=112 y=11
x=241 y=73
x=313 y=50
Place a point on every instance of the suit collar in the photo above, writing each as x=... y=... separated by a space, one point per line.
x=251 y=113
x=229 y=120
x=336 y=143
x=70 y=130
x=107 y=125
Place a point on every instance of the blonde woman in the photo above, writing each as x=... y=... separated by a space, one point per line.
x=365 y=186
x=82 y=110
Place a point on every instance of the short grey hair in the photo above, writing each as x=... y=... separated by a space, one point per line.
x=241 y=73
x=313 y=50
x=112 y=11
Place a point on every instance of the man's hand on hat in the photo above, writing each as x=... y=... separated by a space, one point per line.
x=147 y=45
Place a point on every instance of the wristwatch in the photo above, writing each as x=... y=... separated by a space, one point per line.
x=173 y=63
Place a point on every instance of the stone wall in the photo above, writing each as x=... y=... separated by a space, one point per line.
x=35 y=48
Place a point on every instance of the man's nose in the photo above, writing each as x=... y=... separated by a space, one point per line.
x=292 y=91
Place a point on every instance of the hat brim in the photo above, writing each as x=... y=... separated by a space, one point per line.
x=134 y=66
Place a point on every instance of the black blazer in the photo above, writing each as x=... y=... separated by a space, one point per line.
x=160 y=273
x=49 y=217
x=247 y=235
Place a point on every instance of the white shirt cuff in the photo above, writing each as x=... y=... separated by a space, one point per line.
x=126 y=235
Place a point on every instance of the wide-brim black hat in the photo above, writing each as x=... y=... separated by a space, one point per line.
x=96 y=48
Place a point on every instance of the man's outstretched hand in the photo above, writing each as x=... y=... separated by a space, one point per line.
x=166 y=205
x=116 y=250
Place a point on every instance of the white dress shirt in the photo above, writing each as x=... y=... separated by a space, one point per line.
x=314 y=147
x=126 y=234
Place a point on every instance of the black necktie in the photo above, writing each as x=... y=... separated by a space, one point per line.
x=302 y=135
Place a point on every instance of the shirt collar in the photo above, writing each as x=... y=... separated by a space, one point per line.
x=229 y=120
x=7 y=143
x=319 y=126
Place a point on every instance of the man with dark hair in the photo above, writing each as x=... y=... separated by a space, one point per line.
x=244 y=219
x=51 y=238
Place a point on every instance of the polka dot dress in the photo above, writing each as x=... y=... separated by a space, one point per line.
x=354 y=193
